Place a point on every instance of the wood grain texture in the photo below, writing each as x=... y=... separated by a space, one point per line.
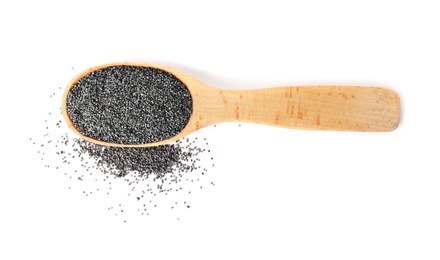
x=340 y=108
x=312 y=107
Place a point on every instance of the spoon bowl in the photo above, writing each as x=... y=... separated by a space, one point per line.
x=338 y=108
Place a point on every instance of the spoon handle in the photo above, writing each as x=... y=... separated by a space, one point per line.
x=345 y=108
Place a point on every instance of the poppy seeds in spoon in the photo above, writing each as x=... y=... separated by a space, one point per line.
x=125 y=104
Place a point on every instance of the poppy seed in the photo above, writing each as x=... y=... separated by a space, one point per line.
x=129 y=105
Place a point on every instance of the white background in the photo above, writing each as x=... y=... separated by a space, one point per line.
x=279 y=193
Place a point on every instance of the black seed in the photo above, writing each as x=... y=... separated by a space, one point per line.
x=129 y=105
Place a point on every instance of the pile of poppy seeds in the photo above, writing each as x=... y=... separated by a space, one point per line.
x=128 y=105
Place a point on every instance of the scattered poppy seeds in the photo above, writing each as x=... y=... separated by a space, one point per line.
x=146 y=173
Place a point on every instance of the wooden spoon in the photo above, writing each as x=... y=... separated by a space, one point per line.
x=345 y=108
